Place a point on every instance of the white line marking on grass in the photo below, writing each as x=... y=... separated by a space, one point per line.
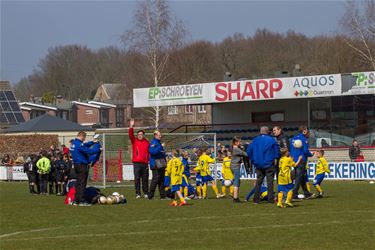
x=29 y=231
x=189 y=231
x=178 y=219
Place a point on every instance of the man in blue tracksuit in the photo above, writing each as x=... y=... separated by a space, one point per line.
x=81 y=152
x=157 y=153
x=303 y=152
x=263 y=152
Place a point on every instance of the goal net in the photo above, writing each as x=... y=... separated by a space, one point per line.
x=115 y=166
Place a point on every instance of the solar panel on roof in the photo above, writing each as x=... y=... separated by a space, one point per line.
x=3 y=118
x=14 y=106
x=2 y=96
x=5 y=106
x=19 y=117
x=9 y=94
x=10 y=117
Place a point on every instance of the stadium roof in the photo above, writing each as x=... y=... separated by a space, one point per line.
x=46 y=123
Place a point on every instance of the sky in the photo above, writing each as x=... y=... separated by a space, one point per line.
x=29 y=28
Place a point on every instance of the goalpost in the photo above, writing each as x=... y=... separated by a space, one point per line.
x=115 y=169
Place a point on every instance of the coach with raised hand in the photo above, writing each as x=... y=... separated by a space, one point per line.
x=299 y=147
x=140 y=159
x=81 y=152
x=263 y=152
x=158 y=163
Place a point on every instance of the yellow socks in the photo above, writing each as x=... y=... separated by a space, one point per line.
x=186 y=191
x=319 y=189
x=182 y=199
x=214 y=187
x=199 y=191
x=204 y=188
x=223 y=189
x=280 y=198
x=289 y=197
x=308 y=187
x=231 y=190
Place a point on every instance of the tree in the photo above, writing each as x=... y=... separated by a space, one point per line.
x=155 y=34
x=358 y=23
x=48 y=97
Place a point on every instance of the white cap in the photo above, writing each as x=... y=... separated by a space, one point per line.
x=96 y=136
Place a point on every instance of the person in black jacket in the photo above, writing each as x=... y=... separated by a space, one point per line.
x=52 y=176
x=354 y=151
x=282 y=140
x=70 y=174
x=60 y=169
x=29 y=167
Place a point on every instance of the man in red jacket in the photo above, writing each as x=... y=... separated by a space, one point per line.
x=140 y=160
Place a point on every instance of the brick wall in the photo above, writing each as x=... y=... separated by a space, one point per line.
x=112 y=117
x=85 y=114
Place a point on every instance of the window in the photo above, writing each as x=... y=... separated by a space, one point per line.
x=201 y=109
x=89 y=112
x=104 y=118
x=119 y=117
x=172 y=110
x=189 y=109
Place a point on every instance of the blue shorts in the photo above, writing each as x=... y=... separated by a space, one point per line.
x=185 y=181
x=285 y=188
x=198 y=180
x=236 y=173
x=318 y=179
x=175 y=188
x=207 y=178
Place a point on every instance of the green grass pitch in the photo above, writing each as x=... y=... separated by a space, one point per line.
x=344 y=219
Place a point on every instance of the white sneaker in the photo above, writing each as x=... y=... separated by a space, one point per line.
x=145 y=196
x=187 y=199
x=137 y=196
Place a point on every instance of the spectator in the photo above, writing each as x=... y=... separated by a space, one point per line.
x=31 y=170
x=52 y=151
x=283 y=143
x=81 y=152
x=140 y=159
x=263 y=152
x=354 y=151
x=52 y=175
x=70 y=176
x=235 y=165
x=20 y=159
x=6 y=160
x=158 y=163
x=43 y=165
x=61 y=167
x=300 y=169
x=194 y=155
x=64 y=150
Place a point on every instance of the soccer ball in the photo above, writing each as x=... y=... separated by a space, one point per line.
x=111 y=200
x=102 y=200
x=116 y=194
x=301 y=196
x=297 y=144
x=228 y=183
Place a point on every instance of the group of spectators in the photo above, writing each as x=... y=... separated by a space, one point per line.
x=49 y=171
x=55 y=171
